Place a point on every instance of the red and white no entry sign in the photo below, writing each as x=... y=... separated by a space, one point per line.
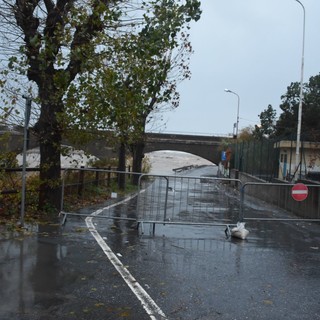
x=299 y=192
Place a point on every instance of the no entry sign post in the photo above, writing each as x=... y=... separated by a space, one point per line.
x=299 y=192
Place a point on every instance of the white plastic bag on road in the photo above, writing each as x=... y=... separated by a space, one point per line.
x=240 y=231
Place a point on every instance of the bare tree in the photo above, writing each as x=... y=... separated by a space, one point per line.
x=57 y=43
x=53 y=42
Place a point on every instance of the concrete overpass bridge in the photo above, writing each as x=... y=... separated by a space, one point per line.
x=207 y=147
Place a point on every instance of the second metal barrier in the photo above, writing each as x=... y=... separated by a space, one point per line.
x=278 y=202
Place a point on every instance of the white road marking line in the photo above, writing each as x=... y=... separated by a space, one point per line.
x=147 y=302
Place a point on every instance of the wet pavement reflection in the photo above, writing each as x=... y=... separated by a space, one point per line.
x=191 y=272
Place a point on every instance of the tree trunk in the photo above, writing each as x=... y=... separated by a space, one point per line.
x=137 y=150
x=49 y=134
x=50 y=182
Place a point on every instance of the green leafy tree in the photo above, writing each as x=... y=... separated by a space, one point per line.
x=139 y=77
x=246 y=134
x=167 y=52
x=267 y=124
x=310 y=125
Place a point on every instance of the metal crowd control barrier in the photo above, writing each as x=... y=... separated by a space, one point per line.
x=87 y=190
x=277 y=202
x=187 y=200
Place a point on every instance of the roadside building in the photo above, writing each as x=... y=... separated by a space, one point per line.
x=309 y=159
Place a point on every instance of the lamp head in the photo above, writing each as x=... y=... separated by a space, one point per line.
x=227 y=90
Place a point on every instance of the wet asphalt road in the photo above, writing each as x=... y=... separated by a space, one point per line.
x=189 y=272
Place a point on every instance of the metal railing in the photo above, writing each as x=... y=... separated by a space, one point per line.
x=276 y=203
x=187 y=200
x=86 y=190
x=183 y=200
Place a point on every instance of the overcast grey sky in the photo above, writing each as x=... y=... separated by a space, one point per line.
x=252 y=47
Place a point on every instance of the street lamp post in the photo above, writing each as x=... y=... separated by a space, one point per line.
x=237 y=123
x=237 y=129
x=301 y=96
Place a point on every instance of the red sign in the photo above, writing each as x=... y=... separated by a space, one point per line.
x=299 y=192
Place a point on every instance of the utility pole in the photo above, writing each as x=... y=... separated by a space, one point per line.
x=27 y=113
